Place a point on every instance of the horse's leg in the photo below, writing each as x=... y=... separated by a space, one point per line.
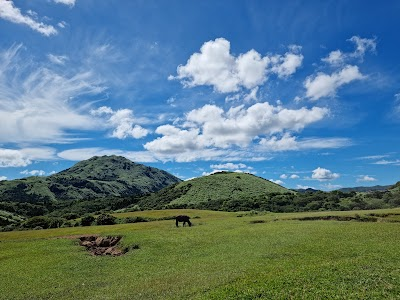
x=177 y=225
x=184 y=223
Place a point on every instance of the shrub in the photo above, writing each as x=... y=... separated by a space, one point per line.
x=105 y=219
x=87 y=220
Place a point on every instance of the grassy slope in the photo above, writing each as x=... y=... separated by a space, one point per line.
x=219 y=186
x=220 y=257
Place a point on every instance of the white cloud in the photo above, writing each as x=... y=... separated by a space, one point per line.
x=324 y=85
x=122 y=121
x=86 y=153
x=294 y=176
x=41 y=105
x=322 y=174
x=24 y=157
x=239 y=167
x=62 y=24
x=57 y=59
x=33 y=172
x=230 y=166
x=387 y=162
x=337 y=57
x=280 y=182
x=304 y=187
x=13 y=158
x=287 y=142
x=287 y=65
x=366 y=178
x=330 y=186
x=70 y=3
x=214 y=65
x=283 y=176
x=2 y=178
x=210 y=126
x=362 y=45
x=13 y=14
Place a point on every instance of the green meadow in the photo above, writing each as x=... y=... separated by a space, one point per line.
x=224 y=255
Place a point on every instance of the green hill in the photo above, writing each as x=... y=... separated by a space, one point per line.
x=93 y=178
x=214 y=192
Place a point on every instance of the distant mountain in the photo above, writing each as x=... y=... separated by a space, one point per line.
x=93 y=178
x=212 y=191
x=307 y=190
x=361 y=189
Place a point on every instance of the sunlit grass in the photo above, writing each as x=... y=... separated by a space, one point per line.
x=221 y=257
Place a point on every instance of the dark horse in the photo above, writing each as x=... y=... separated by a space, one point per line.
x=184 y=219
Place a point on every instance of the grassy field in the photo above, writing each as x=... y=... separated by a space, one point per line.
x=223 y=256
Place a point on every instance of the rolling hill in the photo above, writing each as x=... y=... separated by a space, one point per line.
x=212 y=191
x=93 y=178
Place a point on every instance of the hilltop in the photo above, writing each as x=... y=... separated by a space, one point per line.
x=93 y=178
x=216 y=191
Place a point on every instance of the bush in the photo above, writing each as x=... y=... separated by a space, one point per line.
x=105 y=219
x=87 y=220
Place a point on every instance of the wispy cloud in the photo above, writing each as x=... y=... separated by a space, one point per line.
x=40 y=104
x=69 y=3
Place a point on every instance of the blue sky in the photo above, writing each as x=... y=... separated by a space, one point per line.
x=305 y=93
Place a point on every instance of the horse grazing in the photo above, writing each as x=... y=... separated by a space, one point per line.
x=184 y=219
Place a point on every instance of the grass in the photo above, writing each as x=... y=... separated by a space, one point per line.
x=221 y=257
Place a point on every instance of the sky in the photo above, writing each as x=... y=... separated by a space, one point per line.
x=303 y=93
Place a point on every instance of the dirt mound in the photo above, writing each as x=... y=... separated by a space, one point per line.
x=98 y=245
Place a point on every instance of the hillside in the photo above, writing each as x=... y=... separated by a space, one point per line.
x=93 y=178
x=362 y=189
x=213 y=191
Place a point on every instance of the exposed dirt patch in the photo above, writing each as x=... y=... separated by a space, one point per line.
x=98 y=245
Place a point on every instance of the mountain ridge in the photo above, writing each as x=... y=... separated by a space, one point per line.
x=99 y=176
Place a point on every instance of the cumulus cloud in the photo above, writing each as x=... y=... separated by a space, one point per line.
x=365 y=178
x=294 y=176
x=24 y=157
x=215 y=66
x=13 y=14
x=41 y=105
x=324 y=85
x=33 y=172
x=322 y=174
x=13 y=158
x=122 y=121
x=211 y=126
x=283 y=176
x=69 y=3
x=2 y=178
x=280 y=182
